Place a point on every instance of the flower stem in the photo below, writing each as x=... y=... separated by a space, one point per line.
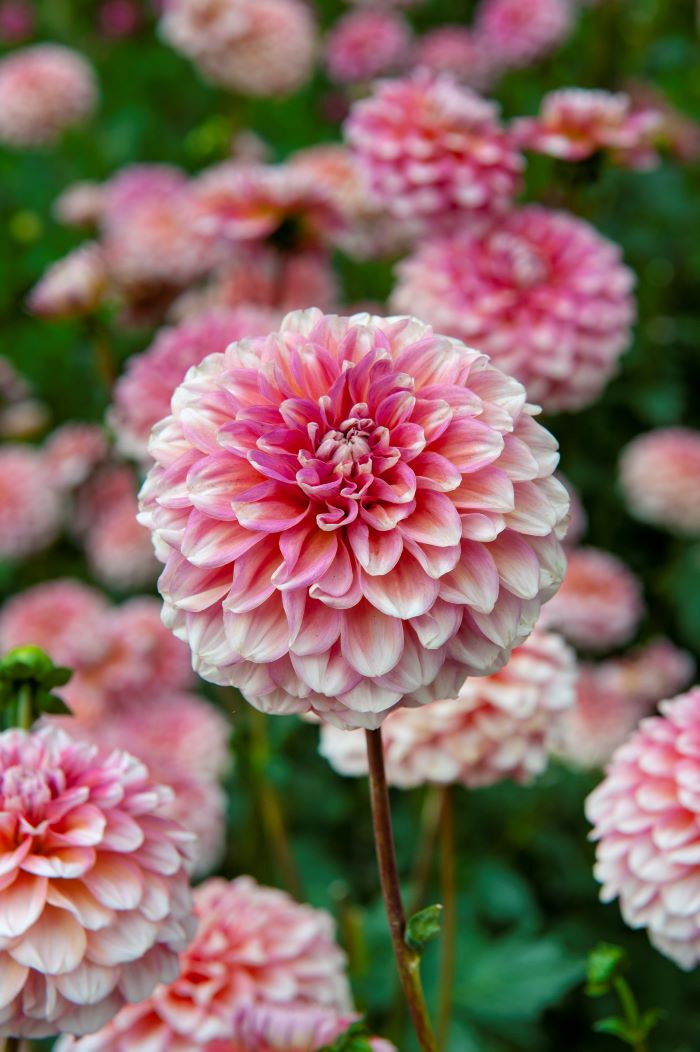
x=407 y=960
x=449 y=922
x=630 y=1009
x=25 y=708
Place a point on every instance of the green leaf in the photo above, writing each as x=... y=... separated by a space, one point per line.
x=617 y=1028
x=423 y=926
x=604 y=963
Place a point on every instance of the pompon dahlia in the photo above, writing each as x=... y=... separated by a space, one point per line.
x=365 y=44
x=142 y=394
x=456 y=50
x=660 y=478
x=519 y=32
x=72 y=286
x=352 y=513
x=291 y=1028
x=646 y=816
x=500 y=726
x=254 y=947
x=73 y=451
x=540 y=292
x=599 y=605
x=44 y=89
x=95 y=906
x=433 y=150
x=31 y=504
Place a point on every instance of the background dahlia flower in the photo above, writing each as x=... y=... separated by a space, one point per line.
x=352 y=513
x=31 y=503
x=519 y=32
x=44 y=89
x=456 y=50
x=660 y=478
x=73 y=286
x=95 y=904
x=365 y=44
x=646 y=816
x=541 y=292
x=254 y=947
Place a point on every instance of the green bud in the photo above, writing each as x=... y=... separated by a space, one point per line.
x=423 y=926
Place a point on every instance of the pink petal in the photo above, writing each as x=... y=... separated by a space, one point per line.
x=469 y=444
x=12 y=978
x=21 y=904
x=371 y=641
x=517 y=564
x=275 y=513
x=209 y=542
x=252 y=580
x=435 y=521
x=405 y=592
x=377 y=552
x=88 y=984
x=474 y=581
x=115 y=882
x=54 y=945
x=308 y=553
x=261 y=634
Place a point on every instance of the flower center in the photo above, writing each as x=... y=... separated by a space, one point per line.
x=515 y=262
x=349 y=447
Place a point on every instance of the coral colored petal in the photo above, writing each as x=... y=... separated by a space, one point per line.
x=371 y=641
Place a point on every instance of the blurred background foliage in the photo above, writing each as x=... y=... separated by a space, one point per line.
x=528 y=910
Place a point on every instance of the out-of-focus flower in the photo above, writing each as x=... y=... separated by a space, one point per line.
x=136 y=185
x=142 y=394
x=646 y=816
x=575 y=123
x=95 y=901
x=520 y=32
x=673 y=132
x=458 y=51
x=599 y=605
x=353 y=512
x=80 y=204
x=660 y=478
x=500 y=726
x=257 y=47
x=73 y=286
x=16 y=21
x=44 y=89
x=433 y=150
x=578 y=520
x=254 y=946
x=540 y=292
x=366 y=44
x=73 y=451
x=614 y=695
x=31 y=505
x=119 y=18
x=291 y=1028
x=21 y=416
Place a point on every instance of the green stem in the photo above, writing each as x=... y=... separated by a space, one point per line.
x=25 y=708
x=407 y=960
x=630 y=1009
x=449 y=922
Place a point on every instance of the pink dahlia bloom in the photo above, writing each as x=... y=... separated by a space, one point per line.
x=44 y=89
x=257 y=47
x=290 y=1028
x=599 y=605
x=458 y=51
x=433 y=150
x=540 y=292
x=352 y=513
x=58 y=616
x=520 y=32
x=500 y=726
x=672 y=132
x=645 y=816
x=95 y=906
x=80 y=204
x=575 y=123
x=366 y=44
x=142 y=394
x=660 y=478
x=72 y=286
x=136 y=185
x=255 y=947
x=614 y=695
x=31 y=504
x=73 y=451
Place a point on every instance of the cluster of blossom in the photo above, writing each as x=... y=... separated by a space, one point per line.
x=660 y=479
x=44 y=89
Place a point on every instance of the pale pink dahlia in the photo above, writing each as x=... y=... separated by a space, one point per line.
x=59 y=616
x=80 y=204
x=31 y=503
x=540 y=292
x=72 y=286
x=599 y=605
x=433 y=149
x=352 y=513
x=43 y=90
x=73 y=451
x=290 y=1028
x=456 y=50
x=95 y=906
x=575 y=123
x=646 y=819
x=519 y=32
x=500 y=726
x=142 y=394
x=660 y=478
x=366 y=44
x=254 y=947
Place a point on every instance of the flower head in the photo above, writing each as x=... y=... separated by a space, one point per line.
x=31 y=503
x=456 y=50
x=541 y=292
x=645 y=816
x=352 y=512
x=43 y=90
x=73 y=451
x=660 y=478
x=72 y=286
x=95 y=900
x=365 y=44
x=520 y=32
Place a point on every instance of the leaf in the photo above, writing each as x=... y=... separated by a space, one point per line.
x=618 y=1028
x=604 y=963
x=423 y=926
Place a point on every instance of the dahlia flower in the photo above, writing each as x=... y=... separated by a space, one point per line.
x=80 y=204
x=660 y=478
x=95 y=901
x=673 y=132
x=72 y=286
x=540 y=292
x=58 y=616
x=520 y=32
x=352 y=513
x=645 y=816
x=500 y=726
x=433 y=150
x=575 y=123
x=73 y=451
x=31 y=504
x=614 y=695
x=136 y=185
x=254 y=947
x=44 y=89
x=458 y=51
x=599 y=605
x=366 y=44
x=257 y=47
